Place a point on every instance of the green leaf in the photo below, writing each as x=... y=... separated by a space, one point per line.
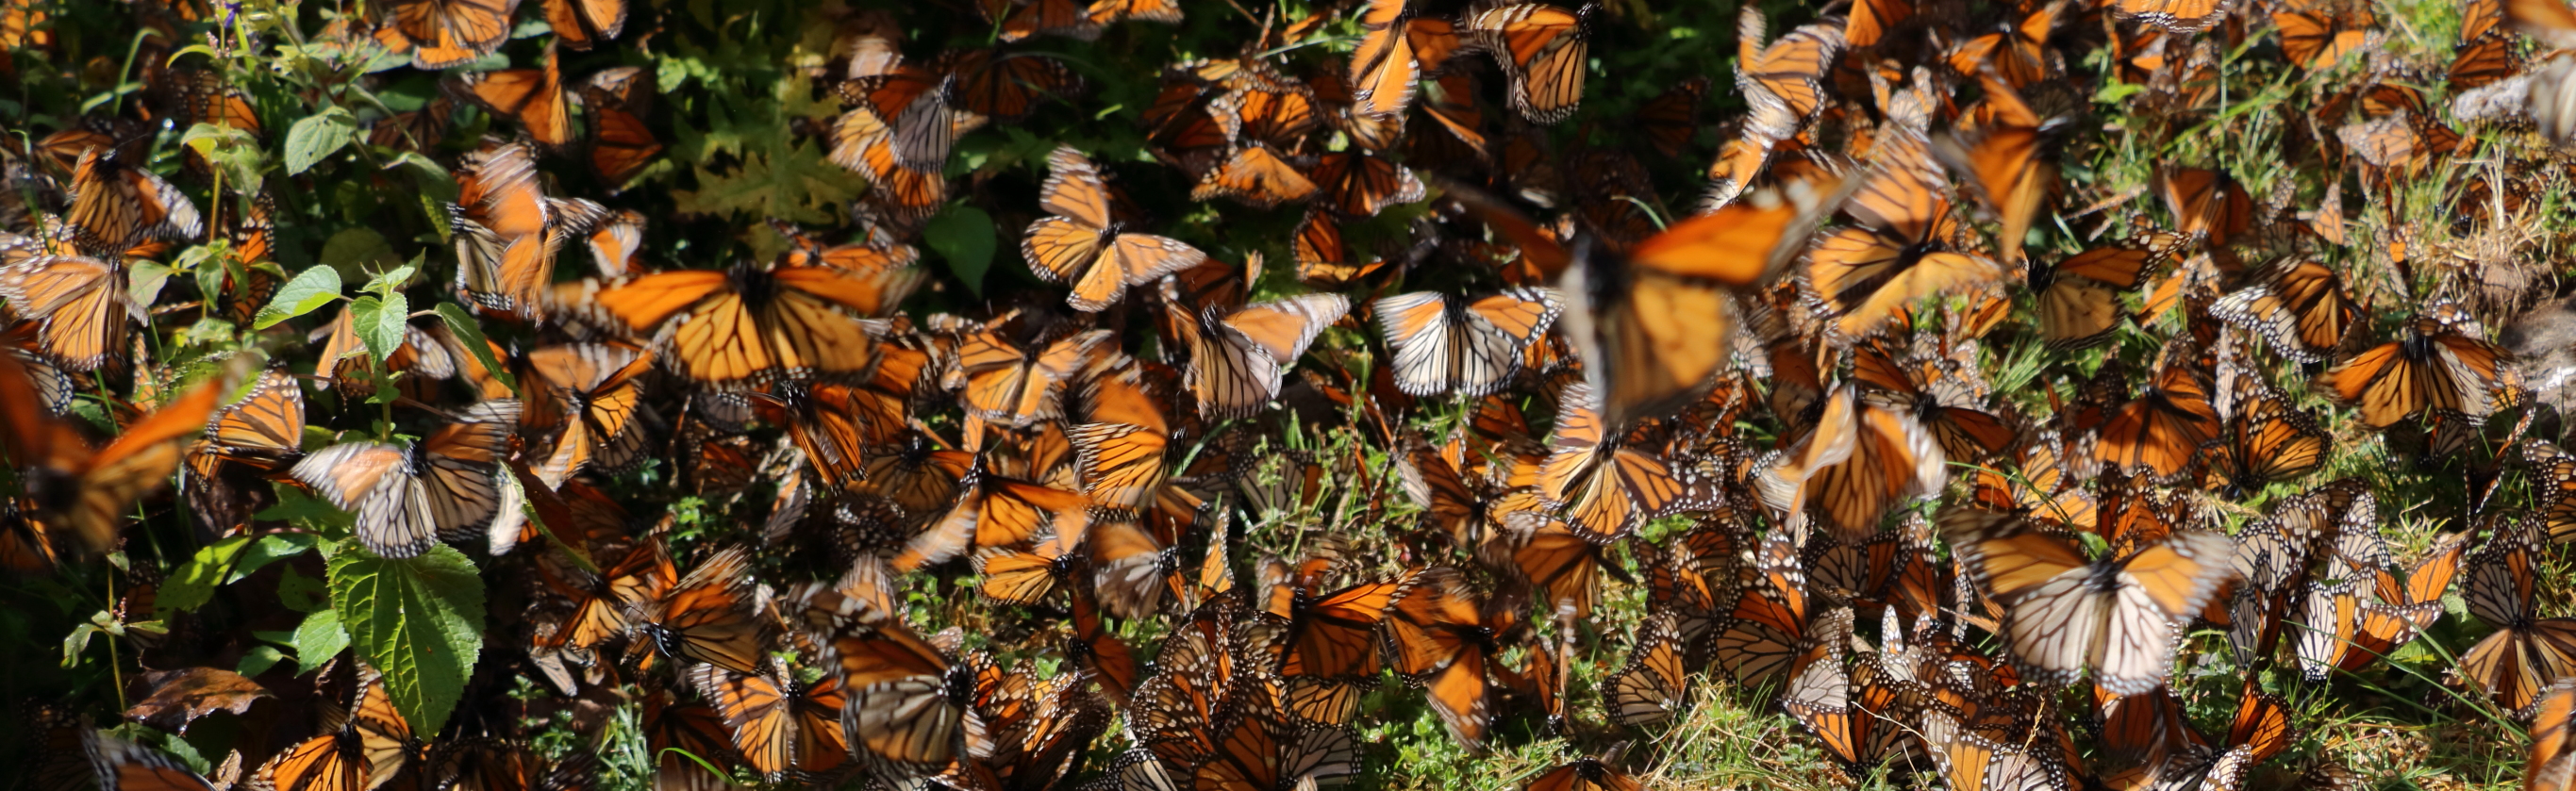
x=258 y=660
x=311 y=288
x=380 y=323
x=318 y=639
x=314 y=137
x=797 y=184
x=301 y=593
x=271 y=548
x=390 y=284
x=359 y=251
x=145 y=279
x=192 y=585
x=470 y=333
x=963 y=236
x=418 y=620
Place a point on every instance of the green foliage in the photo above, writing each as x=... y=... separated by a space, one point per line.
x=310 y=290
x=963 y=237
x=418 y=621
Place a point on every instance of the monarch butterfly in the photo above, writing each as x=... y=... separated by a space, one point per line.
x=1542 y=50
x=366 y=749
x=1606 y=488
x=2485 y=51
x=2010 y=164
x=1005 y=87
x=583 y=24
x=711 y=615
x=2260 y=730
x=1357 y=184
x=117 y=207
x=1384 y=68
x=407 y=497
x=601 y=602
x=2317 y=34
x=1019 y=388
x=621 y=145
x=1257 y=751
x=781 y=725
x=509 y=229
x=907 y=701
x=1254 y=176
x=1017 y=20
x=1264 y=109
x=263 y=430
x=2205 y=203
x=2159 y=431
x=2267 y=440
x=1671 y=120
x=1031 y=573
x=1119 y=451
x=733 y=327
x=1940 y=393
x=2548 y=768
x=444 y=34
x=919 y=476
x=1782 y=82
x=1238 y=354
x=1100 y=649
x=835 y=425
x=1901 y=250
x=2442 y=365
x=80 y=305
x=1553 y=557
x=616 y=245
x=1873 y=20
x=2526 y=653
x=533 y=97
x=1765 y=631
x=1080 y=243
x=1104 y=12
x=1330 y=635
x=1323 y=261
x=2299 y=308
x=1584 y=774
x=1652 y=327
x=2177 y=16
x=1655 y=684
x=592 y=391
x=1444 y=637
x=1859 y=460
x=1843 y=708
x=1970 y=759
x=1469 y=348
x=123 y=766
x=994 y=511
x=896 y=135
x=2067 y=614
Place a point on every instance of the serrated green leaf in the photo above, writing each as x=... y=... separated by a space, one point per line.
x=470 y=333
x=315 y=137
x=390 y=283
x=418 y=620
x=311 y=288
x=798 y=185
x=963 y=237
x=145 y=279
x=318 y=639
x=380 y=323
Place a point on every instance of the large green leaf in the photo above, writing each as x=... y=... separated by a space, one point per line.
x=311 y=288
x=317 y=136
x=418 y=620
x=380 y=323
x=963 y=236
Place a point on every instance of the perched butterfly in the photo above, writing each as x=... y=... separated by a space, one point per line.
x=118 y=207
x=1443 y=345
x=2208 y=204
x=2299 y=308
x=1607 y=488
x=729 y=328
x=366 y=747
x=2177 y=16
x=2442 y=365
x=1238 y=354
x=407 y=497
x=1655 y=684
x=779 y=723
x=444 y=34
x=2319 y=33
x=1330 y=634
x=1542 y=50
x=1446 y=637
x=1081 y=243
x=2079 y=297
x=2267 y=440
x=2527 y=653
x=2067 y=615
x=1585 y=774
x=906 y=701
